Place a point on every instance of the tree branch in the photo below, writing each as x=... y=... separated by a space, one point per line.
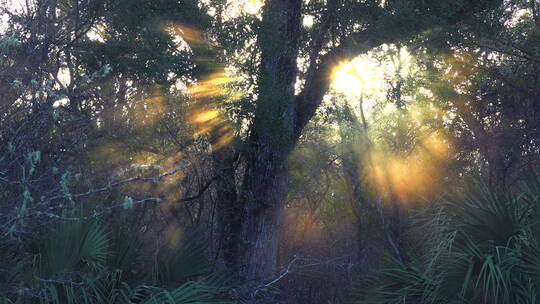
x=201 y=191
x=319 y=76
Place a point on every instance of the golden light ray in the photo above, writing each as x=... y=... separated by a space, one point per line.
x=301 y=224
x=437 y=146
x=206 y=116
x=411 y=177
x=402 y=176
x=184 y=32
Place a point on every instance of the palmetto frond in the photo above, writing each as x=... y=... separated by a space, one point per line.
x=83 y=262
x=478 y=248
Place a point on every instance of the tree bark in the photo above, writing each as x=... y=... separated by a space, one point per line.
x=264 y=188
x=230 y=212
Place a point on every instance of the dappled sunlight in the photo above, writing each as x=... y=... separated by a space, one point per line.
x=232 y=9
x=409 y=153
x=368 y=78
x=264 y=151
x=206 y=115
x=183 y=33
x=458 y=69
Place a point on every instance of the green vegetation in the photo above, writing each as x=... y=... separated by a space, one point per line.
x=277 y=151
x=475 y=248
x=85 y=262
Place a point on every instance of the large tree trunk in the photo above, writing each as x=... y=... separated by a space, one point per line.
x=272 y=137
x=266 y=191
x=279 y=120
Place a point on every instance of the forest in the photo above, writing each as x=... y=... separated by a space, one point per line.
x=270 y=151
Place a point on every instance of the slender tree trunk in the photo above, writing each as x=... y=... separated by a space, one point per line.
x=230 y=212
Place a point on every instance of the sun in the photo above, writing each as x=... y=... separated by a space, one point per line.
x=253 y=6
x=345 y=80
x=361 y=80
x=360 y=76
x=365 y=75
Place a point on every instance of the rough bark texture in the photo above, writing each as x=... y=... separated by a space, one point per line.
x=271 y=139
x=279 y=120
